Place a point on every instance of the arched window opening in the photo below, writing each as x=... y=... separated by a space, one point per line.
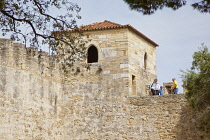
x=145 y=61
x=92 y=55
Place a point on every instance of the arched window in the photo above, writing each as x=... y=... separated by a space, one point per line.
x=145 y=61
x=92 y=55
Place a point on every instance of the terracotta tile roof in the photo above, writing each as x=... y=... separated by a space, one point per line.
x=101 y=26
x=111 y=25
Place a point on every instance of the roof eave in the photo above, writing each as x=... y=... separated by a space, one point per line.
x=143 y=36
x=105 y=28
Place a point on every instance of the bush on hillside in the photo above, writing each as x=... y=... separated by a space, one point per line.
x=197 y=84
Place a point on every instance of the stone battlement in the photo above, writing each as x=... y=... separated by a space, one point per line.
x=17 y=56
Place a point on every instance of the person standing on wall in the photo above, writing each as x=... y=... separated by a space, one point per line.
x=175 y=86
x=154 y=87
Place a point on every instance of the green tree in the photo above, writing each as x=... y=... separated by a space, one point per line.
x=196 y=82
x=37 y=21
x=148 y=7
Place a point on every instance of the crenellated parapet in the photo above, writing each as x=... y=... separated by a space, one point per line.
x=31 y=89
x=17 y=56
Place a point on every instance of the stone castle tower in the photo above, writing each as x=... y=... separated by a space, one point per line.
x=120 y=60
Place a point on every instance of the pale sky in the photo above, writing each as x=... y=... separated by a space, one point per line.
x=179 y=33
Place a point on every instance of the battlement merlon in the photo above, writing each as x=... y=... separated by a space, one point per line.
x=5 y=42
x=17 y=56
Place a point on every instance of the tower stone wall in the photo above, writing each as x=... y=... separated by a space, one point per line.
x=142 y=63
x=121 y=69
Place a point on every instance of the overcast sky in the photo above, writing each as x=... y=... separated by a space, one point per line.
x=179 y=33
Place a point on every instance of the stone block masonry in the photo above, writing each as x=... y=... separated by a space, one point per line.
x=167 y=117
x=30 y=94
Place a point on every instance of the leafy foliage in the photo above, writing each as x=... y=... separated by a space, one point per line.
x=202 y=6
x=34 y=21
x=148 y=7
x=196 y=82
x=1 y=4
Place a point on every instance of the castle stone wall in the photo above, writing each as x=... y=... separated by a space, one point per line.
x=166 y=117
x=30 y=94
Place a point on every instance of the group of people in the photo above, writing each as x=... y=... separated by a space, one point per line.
x=156 y=89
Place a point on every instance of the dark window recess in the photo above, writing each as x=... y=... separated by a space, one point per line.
x=92 y=54
x=145 y=61
x=133 y=85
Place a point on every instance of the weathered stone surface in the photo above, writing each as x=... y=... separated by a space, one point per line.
x=29 y=95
